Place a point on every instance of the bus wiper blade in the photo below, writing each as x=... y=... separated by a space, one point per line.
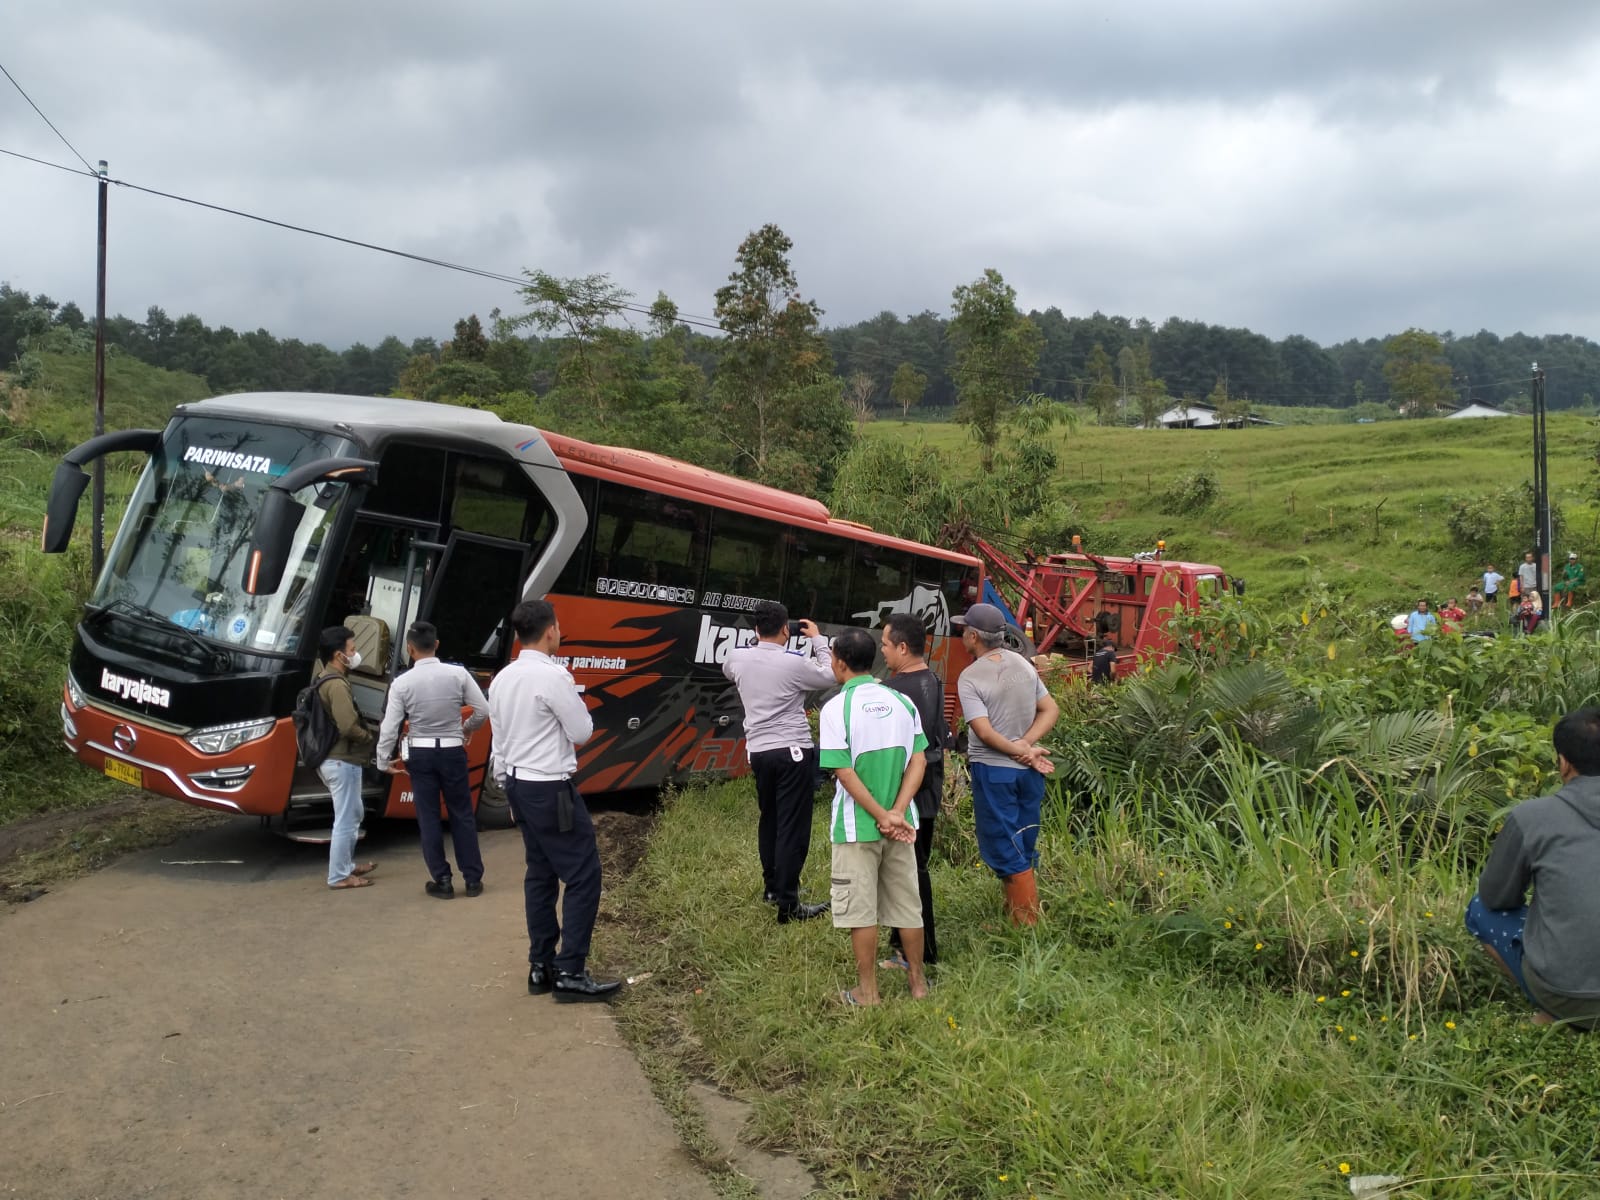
x=217 y=659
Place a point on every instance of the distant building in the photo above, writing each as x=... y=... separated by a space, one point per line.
x=1202 y=416
x=1479 y=410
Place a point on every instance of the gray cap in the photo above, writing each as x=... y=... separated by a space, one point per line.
x=985 y=618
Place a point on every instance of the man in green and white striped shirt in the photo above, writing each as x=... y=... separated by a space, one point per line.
x=872 y=740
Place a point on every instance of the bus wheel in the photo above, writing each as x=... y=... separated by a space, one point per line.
x=494 y=810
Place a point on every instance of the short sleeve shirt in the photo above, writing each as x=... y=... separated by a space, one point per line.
x=874 y=730
x=1004 y=687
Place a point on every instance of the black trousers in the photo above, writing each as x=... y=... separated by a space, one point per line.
x=557 y=856
x=784 y=791
x=443 y=771
x=925 y=818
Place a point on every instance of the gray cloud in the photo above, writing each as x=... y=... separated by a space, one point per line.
x=1338 y=169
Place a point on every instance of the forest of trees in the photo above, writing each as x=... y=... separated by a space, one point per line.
x=1122 y=368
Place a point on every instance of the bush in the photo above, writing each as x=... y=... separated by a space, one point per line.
x=1191 y=493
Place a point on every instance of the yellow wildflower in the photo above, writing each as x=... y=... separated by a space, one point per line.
x=1338 y=1028
x=1346 y=992
x=1003 y=1178
x=1333 y=651
x=1227 y=924
x=1355 y=954
x=1344 y=1168
x=1352 y=1037
x=1429 y=915
x=1449 y=1024
x=1258 y=946
x=953 y=1025
x=1320 y=999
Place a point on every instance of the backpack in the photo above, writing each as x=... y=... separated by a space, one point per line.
x=315 y=732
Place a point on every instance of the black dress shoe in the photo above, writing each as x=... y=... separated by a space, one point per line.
x=475 y=889
x=574 y=989
x=802 y=912
x=440 y=891
x=541 y=978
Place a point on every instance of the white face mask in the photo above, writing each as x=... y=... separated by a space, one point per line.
x=353 y=660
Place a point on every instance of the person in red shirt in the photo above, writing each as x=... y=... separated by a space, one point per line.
x=1450 y=617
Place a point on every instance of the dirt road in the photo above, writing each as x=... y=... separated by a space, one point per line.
x=208 y=1020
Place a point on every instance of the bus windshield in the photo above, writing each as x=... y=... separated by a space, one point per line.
x=179 y=555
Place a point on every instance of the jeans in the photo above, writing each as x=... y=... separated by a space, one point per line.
x=344 y=784
x=1501 y=929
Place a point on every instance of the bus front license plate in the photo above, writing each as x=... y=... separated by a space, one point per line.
x=124 y=772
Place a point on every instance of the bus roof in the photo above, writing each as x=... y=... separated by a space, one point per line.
x=380 y=418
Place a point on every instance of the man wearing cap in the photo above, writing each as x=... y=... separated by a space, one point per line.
x=1007 y=711
x=430 y=698
x=1572 y=578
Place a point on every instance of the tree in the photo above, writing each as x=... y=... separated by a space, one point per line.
x=1152 y=402
x=775 y=399
x=996 y=357
x=858 y=390
x=1418 y=375
x=469 y=343
x=908 y=387
x=1102 y=393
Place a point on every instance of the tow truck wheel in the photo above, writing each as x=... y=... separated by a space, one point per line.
x=494 y=809
x=1018 y=642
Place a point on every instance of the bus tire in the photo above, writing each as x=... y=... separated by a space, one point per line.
x=494 y=809
x=1018 y=642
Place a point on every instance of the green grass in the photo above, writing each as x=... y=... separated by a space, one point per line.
x=1093 y=1056
x=1359 y=509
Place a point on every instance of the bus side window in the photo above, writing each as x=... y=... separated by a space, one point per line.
x=880 y=584
x=816 y=577
x=746 y=559
x=641 y=537
x=936 y=593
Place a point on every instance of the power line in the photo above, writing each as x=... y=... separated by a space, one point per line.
x=45 y=119
x=480 y=272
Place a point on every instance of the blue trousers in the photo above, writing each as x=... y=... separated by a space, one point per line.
x=443 y=771
x=1005 y=805
x=1501 y=929
x=557 y=856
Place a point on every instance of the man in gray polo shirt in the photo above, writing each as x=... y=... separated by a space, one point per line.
x=431 y=696
x=1007 y=711
x=773 y=682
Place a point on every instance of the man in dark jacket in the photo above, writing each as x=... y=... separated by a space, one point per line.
x=904 y=646
x=1551 y=944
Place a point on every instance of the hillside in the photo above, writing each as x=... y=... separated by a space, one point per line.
x=1360 y=510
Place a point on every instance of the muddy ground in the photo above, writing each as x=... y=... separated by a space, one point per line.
x=207 y=1019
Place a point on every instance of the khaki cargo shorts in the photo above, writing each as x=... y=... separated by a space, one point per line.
x=875 y=883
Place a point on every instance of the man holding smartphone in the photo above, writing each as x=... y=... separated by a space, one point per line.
x=773 y=683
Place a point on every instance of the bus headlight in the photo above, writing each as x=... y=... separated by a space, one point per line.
x=219 y=739
x=75 y=694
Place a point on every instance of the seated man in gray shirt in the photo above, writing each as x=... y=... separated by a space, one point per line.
x=773 y=683
x=431 y=696
x=1550 y=945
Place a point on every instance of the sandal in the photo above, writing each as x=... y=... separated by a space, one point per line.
x=351 y=881
x=847 y=997
x=364 y=868
x=897 y=963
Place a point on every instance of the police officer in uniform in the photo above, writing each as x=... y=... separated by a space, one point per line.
x=539 y=719
x=773 y=683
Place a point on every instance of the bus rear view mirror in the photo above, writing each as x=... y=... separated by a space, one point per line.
x=66 y=488
x=280 y=514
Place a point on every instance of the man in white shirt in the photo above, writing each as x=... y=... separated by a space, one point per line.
x=773 y=683
x=539 y=717
x=1527 y=574
x=1491 y=584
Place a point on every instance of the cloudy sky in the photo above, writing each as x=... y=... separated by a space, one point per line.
x=1338 y=168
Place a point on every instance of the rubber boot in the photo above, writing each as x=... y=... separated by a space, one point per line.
x=1022 y=898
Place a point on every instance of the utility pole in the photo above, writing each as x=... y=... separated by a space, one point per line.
x=1541 y=488
x=98 y=554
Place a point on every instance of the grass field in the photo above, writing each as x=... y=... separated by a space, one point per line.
x=1086 y=1058
x=1359 y=509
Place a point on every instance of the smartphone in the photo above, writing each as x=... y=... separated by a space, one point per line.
x=794 y=629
